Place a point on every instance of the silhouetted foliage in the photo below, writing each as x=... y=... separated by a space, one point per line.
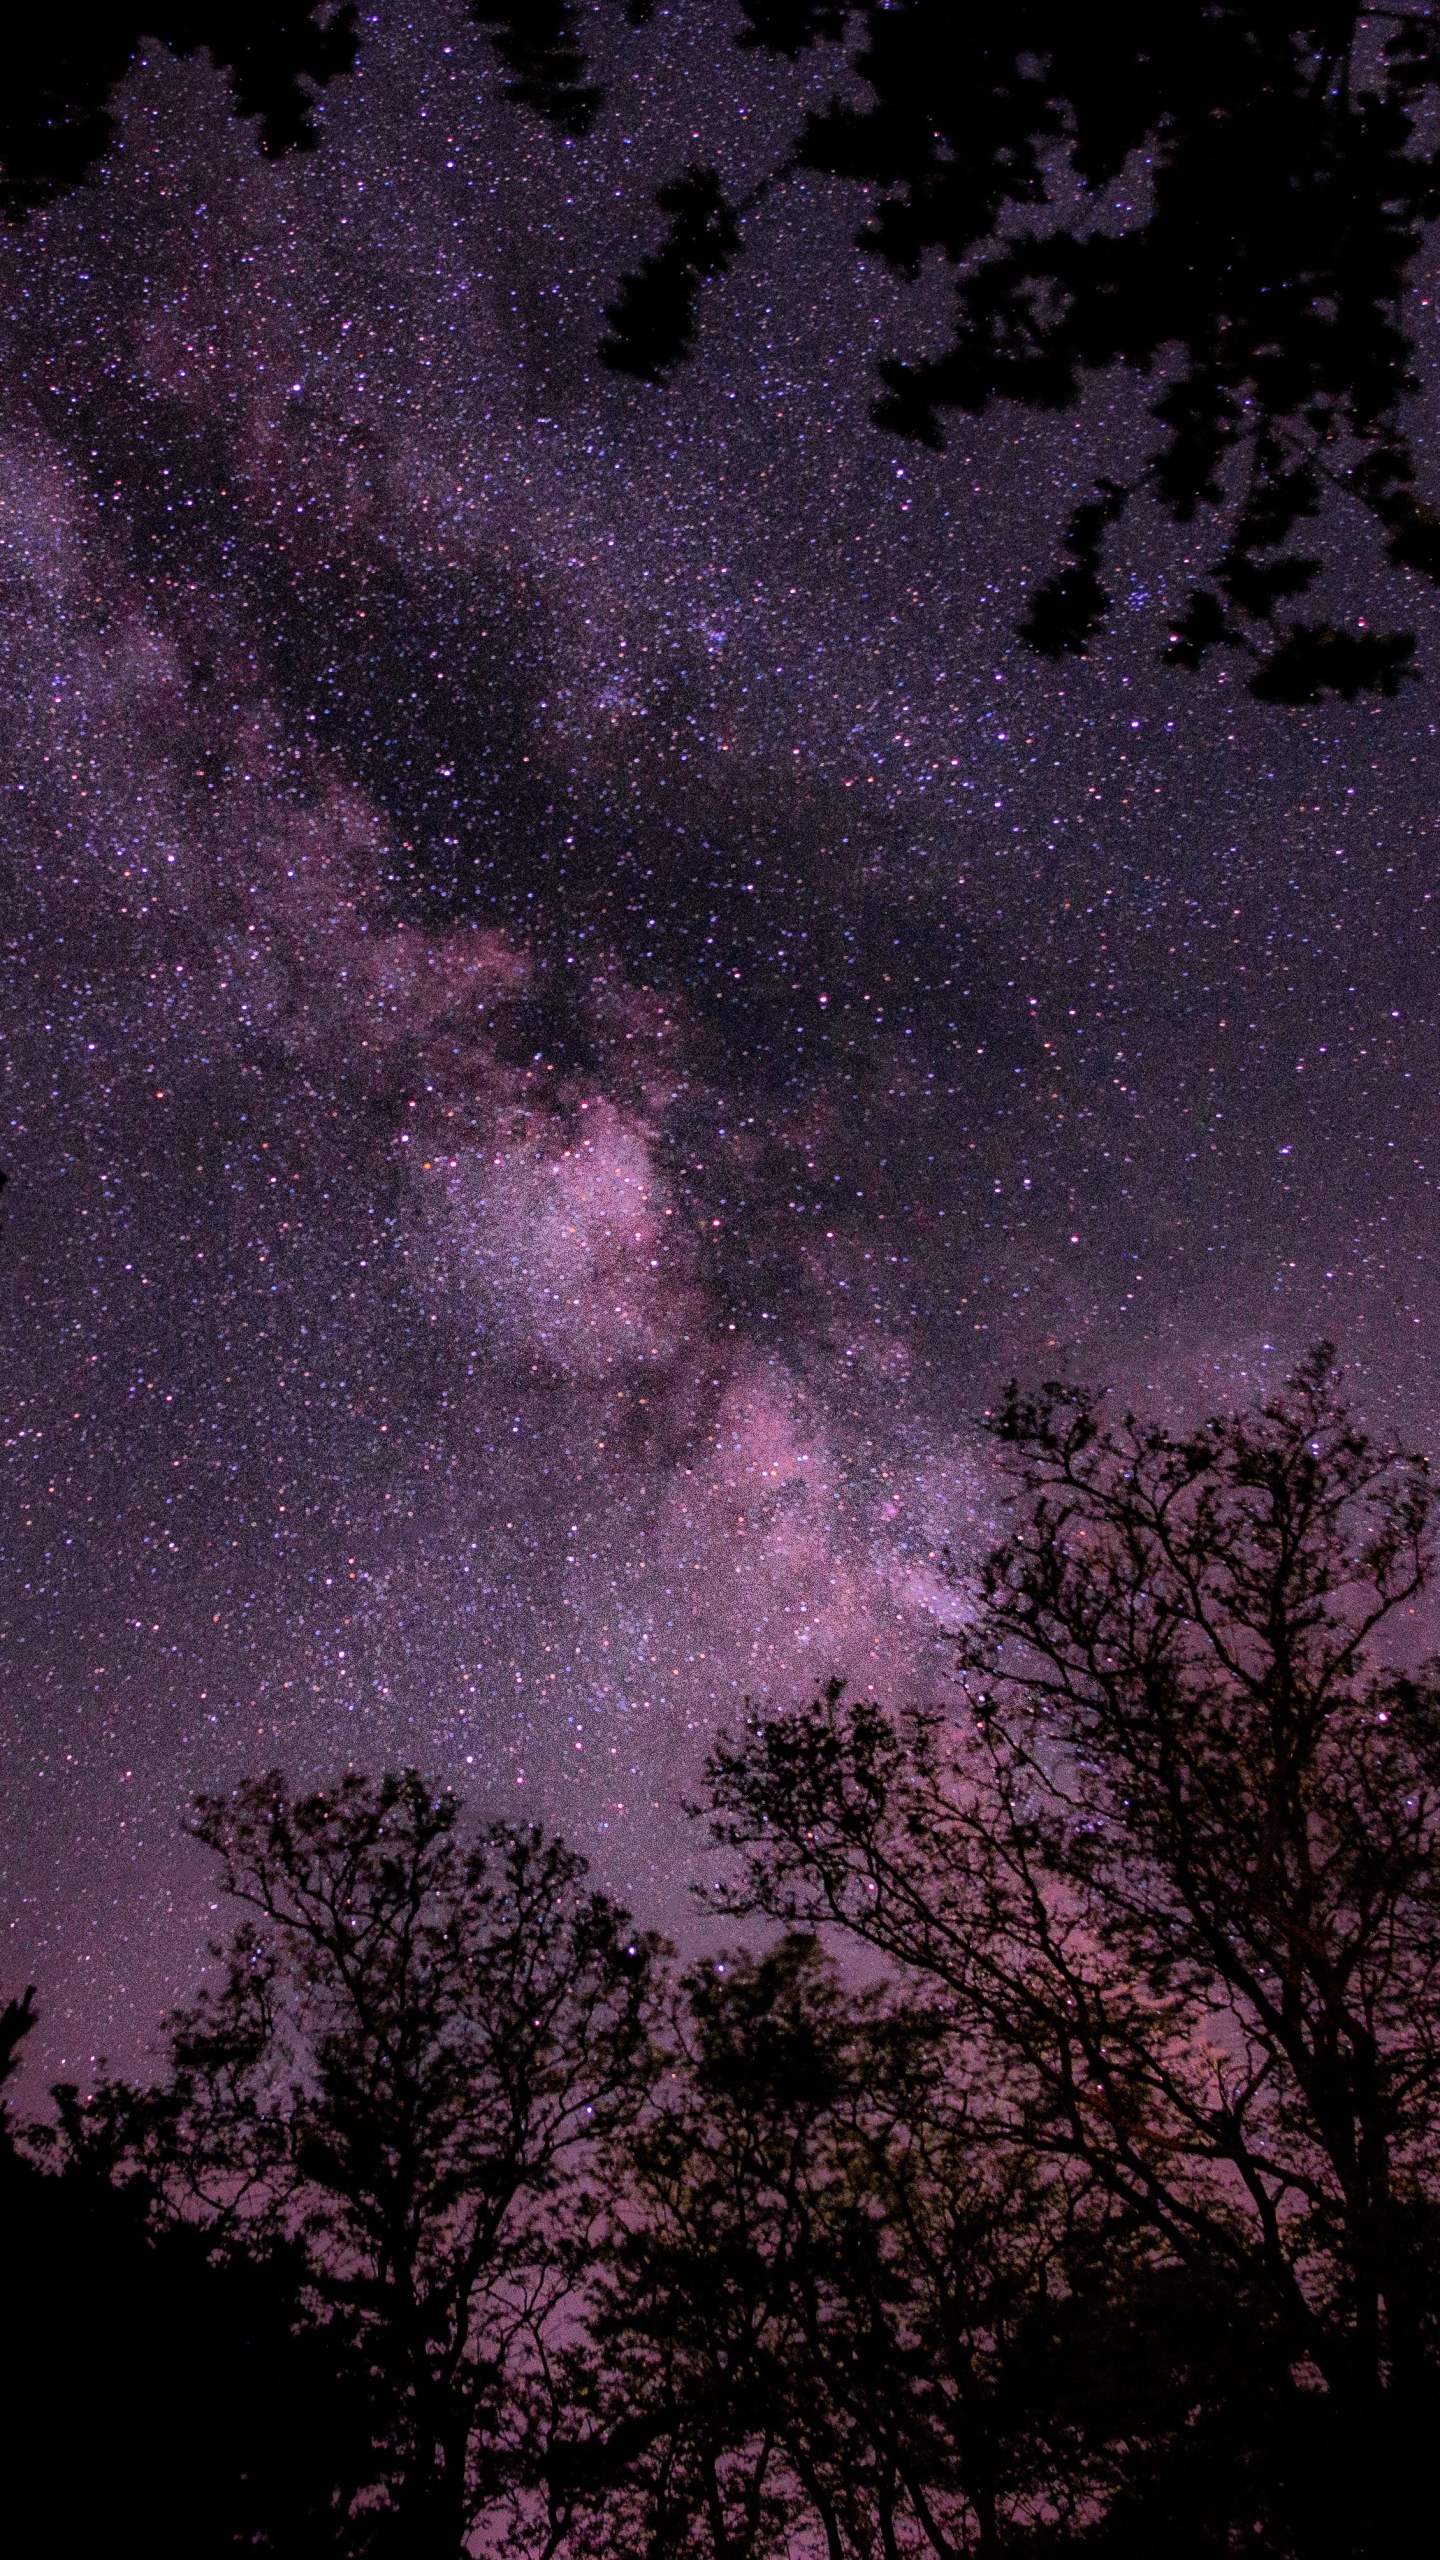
x=1104 y=2217
x=1226 y=200
x=168 y=2386
x=16 y=2020
x=418 y=2055
x=1251 y=188
x=1322 y=660
x=652 y=323
x=1174 y=1873
x=63 y=67
x=539 y=46
x=1068 y=610
x=829 y=2298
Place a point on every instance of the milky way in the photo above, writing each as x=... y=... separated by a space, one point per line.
x=576 y=1004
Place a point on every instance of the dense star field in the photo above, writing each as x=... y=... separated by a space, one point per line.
x=576 y=1003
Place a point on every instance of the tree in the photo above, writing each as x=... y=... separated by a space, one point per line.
x=1172 y=1867
x=1273 y=190
x=696 y=2434
x=1227 y=200
x=834 y=2312
x=418 y=2054
x=156 y=2382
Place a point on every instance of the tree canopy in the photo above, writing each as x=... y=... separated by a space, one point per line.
x=418 y=2055
x=1100 y=2215
x=1173 y=1881
x=1226 y=200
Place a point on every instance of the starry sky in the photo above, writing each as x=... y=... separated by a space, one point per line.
x=575 y=1004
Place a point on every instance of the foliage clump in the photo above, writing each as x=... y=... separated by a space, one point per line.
x=1226 y=201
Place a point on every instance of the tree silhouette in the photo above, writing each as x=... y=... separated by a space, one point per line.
x=1105 y=2216
x=1228 y=201
x=168 y=2386
x=826 y=2314
x=1173 y=1870
x=653 y=321
x=62 y=71
x=411 y=2071
x=844 y=2302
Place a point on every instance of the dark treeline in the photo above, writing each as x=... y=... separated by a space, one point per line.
x=1229 y=199
x=1106 y=2216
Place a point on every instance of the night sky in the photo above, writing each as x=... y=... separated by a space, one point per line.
x=575 y=1004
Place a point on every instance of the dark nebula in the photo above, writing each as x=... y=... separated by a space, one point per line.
x=576 y=1002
